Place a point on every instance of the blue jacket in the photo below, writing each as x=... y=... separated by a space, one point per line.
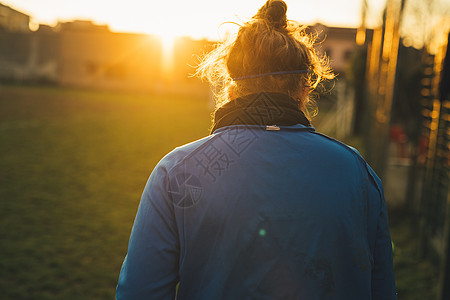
x=260 y=212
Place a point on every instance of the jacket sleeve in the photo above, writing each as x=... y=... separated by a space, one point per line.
x=383 y=281
x=150 y=269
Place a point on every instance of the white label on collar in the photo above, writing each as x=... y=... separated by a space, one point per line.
x=272 y=127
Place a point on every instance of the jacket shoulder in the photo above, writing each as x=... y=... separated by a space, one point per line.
x=181 y=153
x=355 y=153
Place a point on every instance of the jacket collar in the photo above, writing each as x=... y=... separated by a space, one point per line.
x=265 y=108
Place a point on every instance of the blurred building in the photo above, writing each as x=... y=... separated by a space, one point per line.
x=92 y=56
x=12 y=20
x=29 y=56
x=78 y=53
x=338 y=43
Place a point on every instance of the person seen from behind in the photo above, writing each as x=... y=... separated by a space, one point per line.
x=264 y=207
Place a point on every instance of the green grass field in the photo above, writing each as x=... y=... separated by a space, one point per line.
x=73 y=165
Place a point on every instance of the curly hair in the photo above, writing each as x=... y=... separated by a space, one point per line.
x=268 y=43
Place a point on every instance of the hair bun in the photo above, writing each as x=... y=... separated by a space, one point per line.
x=273 y=11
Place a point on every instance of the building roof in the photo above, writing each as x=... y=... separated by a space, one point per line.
x=14 y=10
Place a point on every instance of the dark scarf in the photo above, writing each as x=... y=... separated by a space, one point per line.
x=260 y=109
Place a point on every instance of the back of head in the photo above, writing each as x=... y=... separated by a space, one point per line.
x=273 y=12
x=269 y=53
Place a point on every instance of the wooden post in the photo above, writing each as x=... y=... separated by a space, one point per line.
x=385 y=88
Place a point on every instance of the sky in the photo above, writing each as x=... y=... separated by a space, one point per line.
x=195 y=18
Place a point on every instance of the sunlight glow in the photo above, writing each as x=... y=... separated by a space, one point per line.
x=168 y=43
x=196 y=18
